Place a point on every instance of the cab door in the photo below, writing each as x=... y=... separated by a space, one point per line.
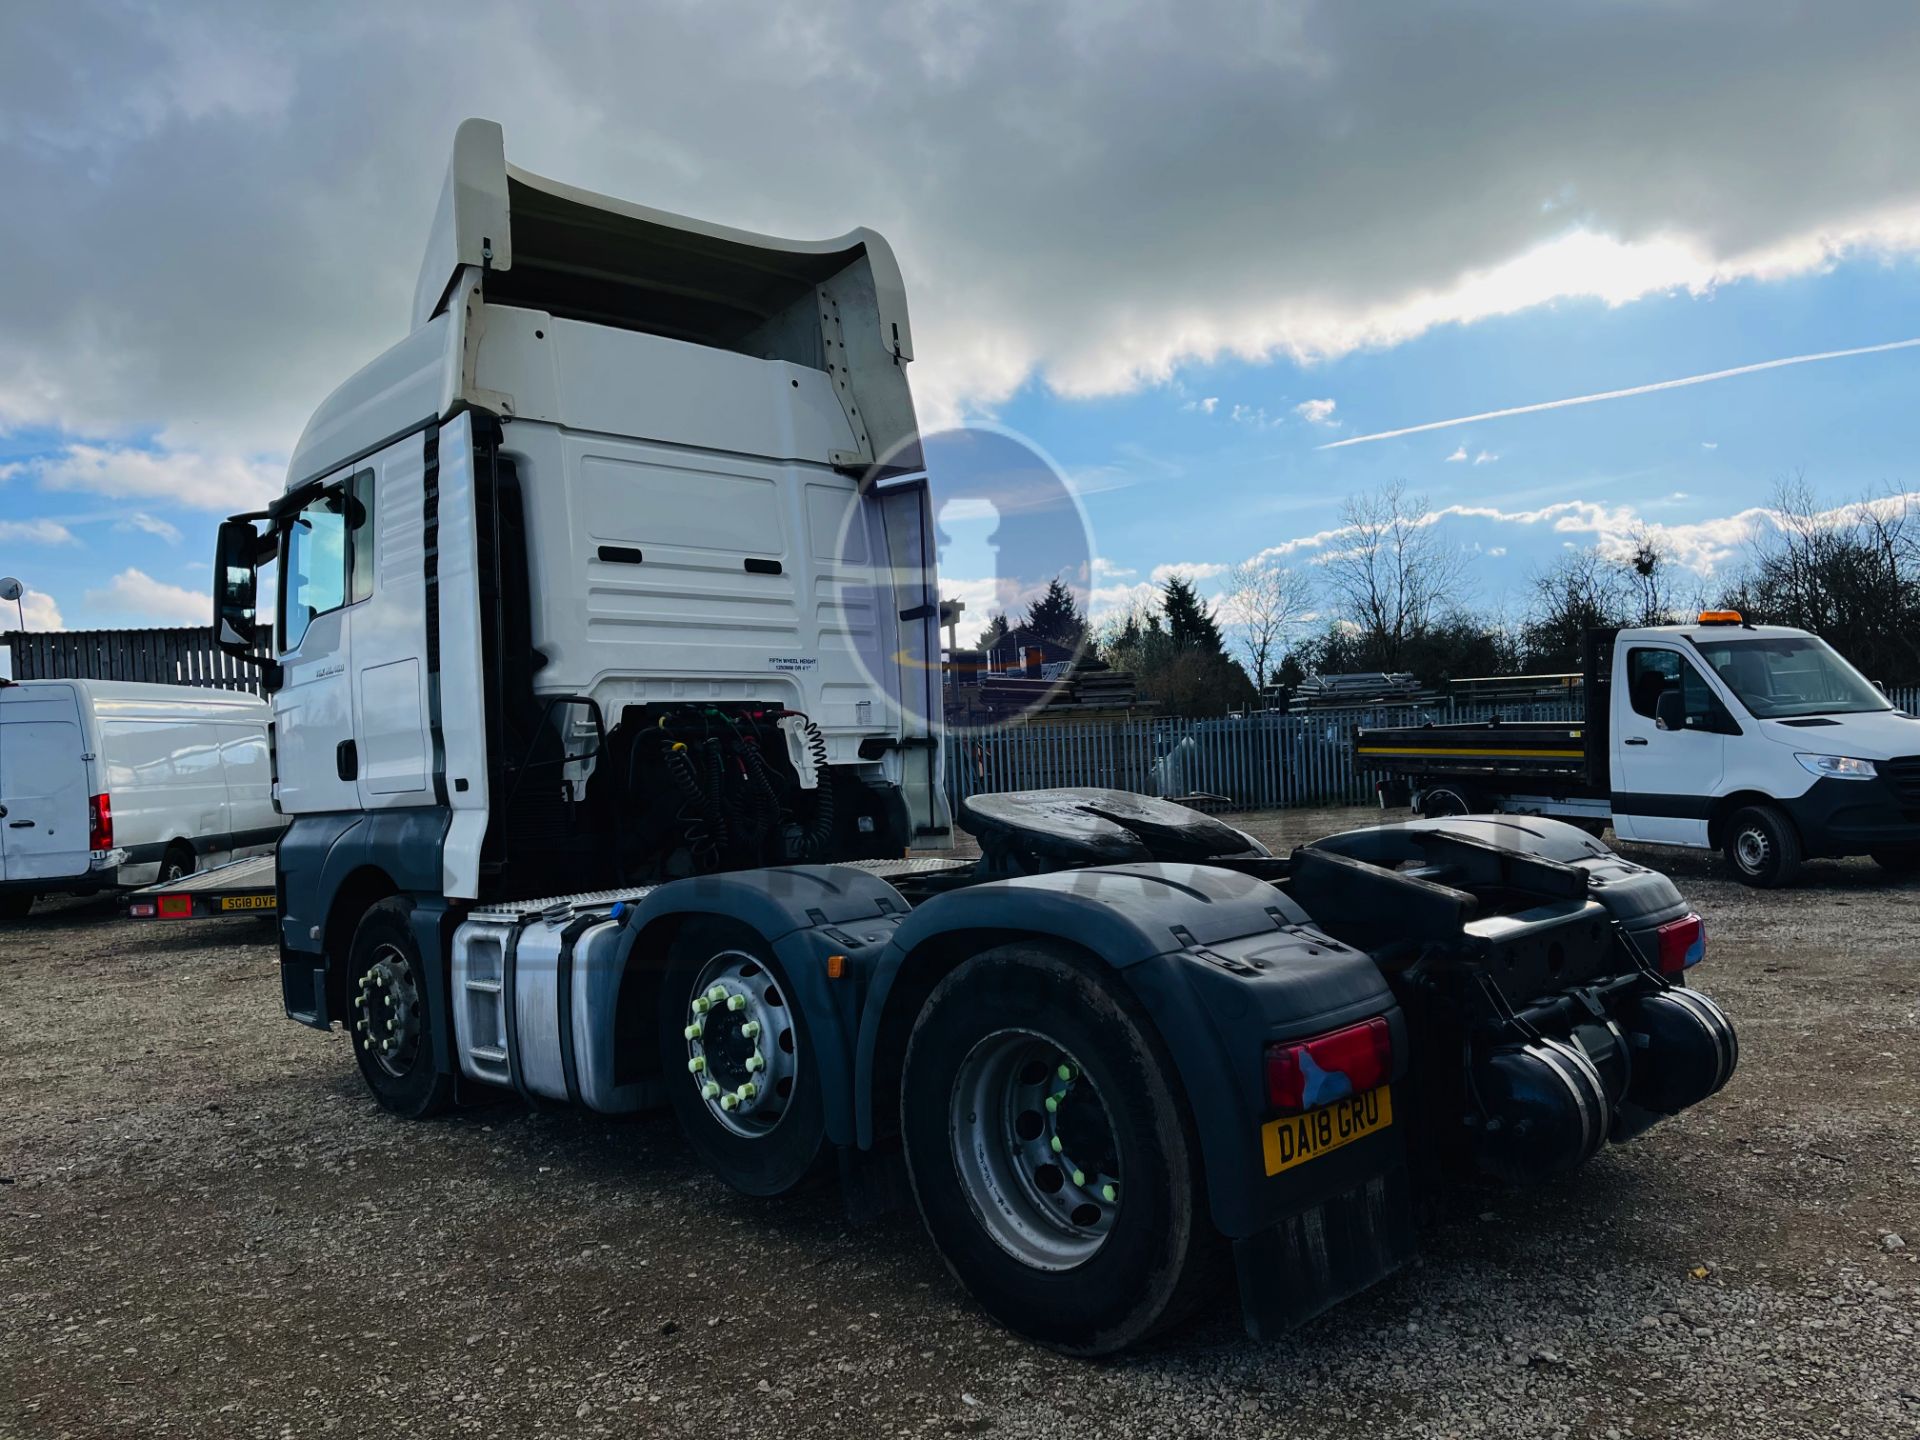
x=1665 y=778
x=313 y=709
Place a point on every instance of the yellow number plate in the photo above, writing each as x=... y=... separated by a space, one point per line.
x=1299 y=1138
x=246 y=902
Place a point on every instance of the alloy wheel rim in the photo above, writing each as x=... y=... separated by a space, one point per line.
x=743 y=1055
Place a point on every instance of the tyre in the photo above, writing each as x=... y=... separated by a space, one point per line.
x=1898 y=862
x=1450 y=799
x=1052 y=1154
x=1762 y=846
x=392 y=1014
x=733 y=1051
x=177 y=863
x=15 y=904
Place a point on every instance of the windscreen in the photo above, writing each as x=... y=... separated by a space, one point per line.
x=1781 y=677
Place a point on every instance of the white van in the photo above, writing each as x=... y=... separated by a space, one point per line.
x=106 y=784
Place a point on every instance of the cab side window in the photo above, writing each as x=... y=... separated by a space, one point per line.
x=1651 y=673
x=328 y=556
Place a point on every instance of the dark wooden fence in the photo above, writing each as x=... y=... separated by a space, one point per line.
x=175 y=656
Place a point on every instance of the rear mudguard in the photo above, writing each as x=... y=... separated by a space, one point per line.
x=808 y=914
x=1221 y=961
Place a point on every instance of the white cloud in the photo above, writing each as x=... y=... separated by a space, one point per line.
x=144 y=600
x=181 y=477
x=154 y=525
x=42 y=612
x=1205 y=407
x=1459 y=455
x=35 y=532
x=1497 y=551
x=1709 y=444
x=1192 y=571
x=1485 y=457
x=1105 y=569
x=1316 y=412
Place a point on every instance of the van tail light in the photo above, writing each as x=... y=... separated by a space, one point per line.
x=1683 y=944
x=100 y=823
x=1304 y=1074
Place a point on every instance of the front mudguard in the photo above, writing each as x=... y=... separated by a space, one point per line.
x=1222 y=962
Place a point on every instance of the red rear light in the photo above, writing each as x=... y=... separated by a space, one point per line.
x=1303 y=1074
x=100 y=824
x=176 y=907
x=1683 y=944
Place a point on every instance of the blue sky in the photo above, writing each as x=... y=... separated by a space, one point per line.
x=1181 y=248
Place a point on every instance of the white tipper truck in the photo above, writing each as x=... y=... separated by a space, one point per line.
x=606 y=701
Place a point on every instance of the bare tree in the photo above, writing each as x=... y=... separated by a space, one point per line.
x=1262 y=603
x=1651 y=584
x=1393 y=575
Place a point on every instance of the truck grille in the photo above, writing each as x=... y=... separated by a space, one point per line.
x=1903 y=774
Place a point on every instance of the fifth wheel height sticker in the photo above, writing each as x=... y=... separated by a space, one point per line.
x=793 y=664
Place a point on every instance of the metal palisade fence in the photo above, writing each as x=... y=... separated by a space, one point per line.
x=1254 y=762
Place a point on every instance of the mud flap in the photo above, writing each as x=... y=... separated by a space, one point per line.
x=1319 y=1256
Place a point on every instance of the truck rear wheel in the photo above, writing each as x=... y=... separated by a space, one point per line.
x=733 y=1050
x=1051 y=1152
x=1762 y=846
x=392 y=1015
x=177 y=863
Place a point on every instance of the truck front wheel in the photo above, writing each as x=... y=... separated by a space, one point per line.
x=391 y=1014
x=733 y=1049
x=1051 y=1151
x=1762 y=846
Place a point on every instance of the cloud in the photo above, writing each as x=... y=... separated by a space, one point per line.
x=144 y=600
x=1709 y=444
x=181 y=477
x=1316 y=412
x=154 y=525
x=1192 y=571
x=35 y=532
x=223 y=208
x=1105 y=569
x=1206 y=406
x=1623 y=394
x=42 y=613
x=1458 y=456
x=1485 y=457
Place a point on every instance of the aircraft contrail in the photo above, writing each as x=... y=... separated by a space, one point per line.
x=1621 y=394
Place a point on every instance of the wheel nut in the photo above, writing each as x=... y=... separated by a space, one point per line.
x=729 y=1102
x=736 y=1003
x=754 y=1062
x=709 y=1090
x=1109 y=1193
x=1053 y=1103
x=1065 y=1072
x=701 y=1005
x=1079 y=1177
x=1055 y=1143
x=748 y=1091
x=751 y=1029
x=716 y=994
x=692 y=1032
x=697 y=1064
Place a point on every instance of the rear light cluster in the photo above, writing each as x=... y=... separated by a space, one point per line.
x=100 y=823
x=1304 y=1074
x=1683 y=944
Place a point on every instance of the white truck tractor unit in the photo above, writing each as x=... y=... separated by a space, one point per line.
x=109 y=784
x=606 y=693
x=1756 y=740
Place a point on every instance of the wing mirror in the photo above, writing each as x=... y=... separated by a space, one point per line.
x=237 y=552
x=1670 y=710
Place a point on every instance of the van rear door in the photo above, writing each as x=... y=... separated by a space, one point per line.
x=43 y=784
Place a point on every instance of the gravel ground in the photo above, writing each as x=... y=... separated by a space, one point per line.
x=206 y=1228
